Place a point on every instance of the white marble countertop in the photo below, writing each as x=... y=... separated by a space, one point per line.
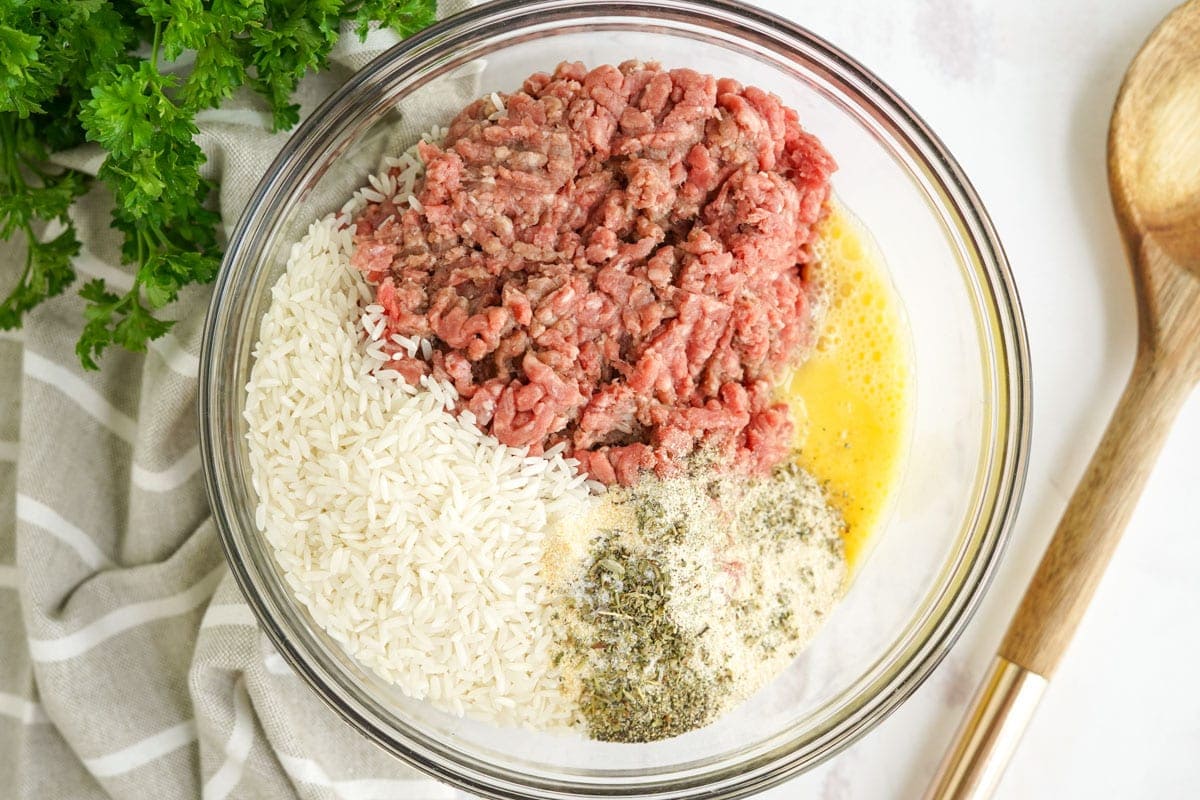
x=1015 y=89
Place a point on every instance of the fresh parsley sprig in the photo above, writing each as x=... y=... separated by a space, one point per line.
x=92 y=70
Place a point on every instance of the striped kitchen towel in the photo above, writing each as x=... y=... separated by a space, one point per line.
x=130 y=666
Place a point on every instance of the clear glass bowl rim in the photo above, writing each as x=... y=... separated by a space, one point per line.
x=944 y=619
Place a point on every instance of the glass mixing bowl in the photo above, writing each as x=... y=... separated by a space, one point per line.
x=930 y=564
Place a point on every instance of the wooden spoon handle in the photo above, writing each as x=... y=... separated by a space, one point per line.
x=1065 y=581
x=1096 y=516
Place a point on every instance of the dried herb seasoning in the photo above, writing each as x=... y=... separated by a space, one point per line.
x=642 y=685
x=693 y=592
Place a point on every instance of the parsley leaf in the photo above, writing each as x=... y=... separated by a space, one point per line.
x=47 y=273
x=18 y=67
x=30 y=198
x=406 y=17
x=115 y=319
x=76 y=70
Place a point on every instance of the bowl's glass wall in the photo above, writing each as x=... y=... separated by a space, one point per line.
x=968 y=436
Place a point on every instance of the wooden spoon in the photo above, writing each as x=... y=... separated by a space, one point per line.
x=1154 y=177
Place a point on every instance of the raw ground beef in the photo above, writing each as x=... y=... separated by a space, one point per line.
x=614 y=260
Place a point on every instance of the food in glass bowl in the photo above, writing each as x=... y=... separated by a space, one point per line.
x=580 y=414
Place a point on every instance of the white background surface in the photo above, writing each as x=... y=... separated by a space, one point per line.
x=1021 y=90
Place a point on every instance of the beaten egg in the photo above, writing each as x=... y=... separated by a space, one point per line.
x=851 y=401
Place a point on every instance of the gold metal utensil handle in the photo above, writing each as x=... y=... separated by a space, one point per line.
x=989 y=734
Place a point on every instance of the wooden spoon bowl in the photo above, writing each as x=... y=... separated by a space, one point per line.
x=1154 y=143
